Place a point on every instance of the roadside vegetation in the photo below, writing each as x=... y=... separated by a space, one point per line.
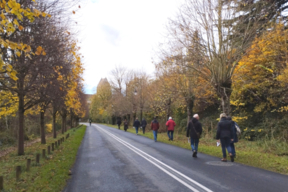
x=52 y=172
x=265 y=154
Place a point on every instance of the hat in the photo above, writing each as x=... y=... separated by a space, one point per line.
x=170 y=118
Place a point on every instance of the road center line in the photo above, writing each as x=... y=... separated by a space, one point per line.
x=142 y=154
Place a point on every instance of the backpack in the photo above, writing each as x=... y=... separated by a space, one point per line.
x=238 y=130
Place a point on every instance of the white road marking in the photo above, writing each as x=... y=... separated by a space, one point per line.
x=149 y=157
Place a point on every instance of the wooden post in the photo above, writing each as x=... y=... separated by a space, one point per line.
x=18 y=172
x=49 y=150
x=52 y=146
x=28 y=164
x=38 y=158
x=1 y=183
x=43 y=153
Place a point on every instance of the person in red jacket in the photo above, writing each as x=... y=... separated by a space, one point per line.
x=170 y=124
x=155 y=126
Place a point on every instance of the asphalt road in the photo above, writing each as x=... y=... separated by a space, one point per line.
x=113 y=160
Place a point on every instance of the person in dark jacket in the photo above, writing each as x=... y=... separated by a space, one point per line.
x=136 y=125
x=194 y=131
x=225 y=135
x=144 y=124
x=125 y=125
x=155 y=126
x=119 y=122
x=235 y=137
x=90 y=121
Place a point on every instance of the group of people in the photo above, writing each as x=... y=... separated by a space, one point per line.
x=226 y=133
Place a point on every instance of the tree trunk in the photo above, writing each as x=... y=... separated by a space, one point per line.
x=168 y=109
x=141 y=114
x=63 y=127
x=71 y=118
x=42 y=127
x=190 y=105
x=54 y=122
x=21 y=123
x=224 y=92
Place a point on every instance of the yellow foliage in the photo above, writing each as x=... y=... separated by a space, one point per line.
x=49 y=128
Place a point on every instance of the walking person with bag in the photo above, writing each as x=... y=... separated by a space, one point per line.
x=194 y=131
x=236 y=131
x=119 y=122
x=155 y=126
x=225 y=135
x=144 y=124
x=170 y=128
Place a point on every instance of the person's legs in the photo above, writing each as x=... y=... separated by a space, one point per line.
x=118 y=126
x=172 y=132
x=196 y=144
x=192 y=141
x=143 y=128
x=223 y=146
x=168 y=133
x=136 y=128
x=233 y=149
x=155 y=135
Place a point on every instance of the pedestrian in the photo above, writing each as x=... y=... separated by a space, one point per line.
x=90 y=121
x=194 y=131
x=225 y=135
x=170 y=124
x=125 y=125
x=119 y=122
x=144 y=124
x=155 y=126
x=136 y=125
x=235 y=137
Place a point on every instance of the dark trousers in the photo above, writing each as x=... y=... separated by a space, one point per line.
x=143 y=129
x=155 y=135
x=225 y=144
x=233 y=148
x=194 y=144
x=136 y=128
x=118 y=126
x=170 y=135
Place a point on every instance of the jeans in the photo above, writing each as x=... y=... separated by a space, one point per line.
x=232 y=148
x=155 y=135
x=225 y=143
x=136 y=128
x=170 y=135
x=118 y=126
x=143 y=129
x=194 y=144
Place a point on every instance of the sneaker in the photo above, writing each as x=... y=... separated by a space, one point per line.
x=194 y=154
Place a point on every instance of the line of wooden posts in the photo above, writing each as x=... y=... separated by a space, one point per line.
x=50 y=148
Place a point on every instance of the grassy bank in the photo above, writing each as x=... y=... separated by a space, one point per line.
x=51 y=174
x=257 y=153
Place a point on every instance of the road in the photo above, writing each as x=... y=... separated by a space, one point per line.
x=113 y=160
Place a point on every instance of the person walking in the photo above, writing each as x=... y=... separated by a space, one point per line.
x=170 y=124
x=155 y=126
x=225 y=136
x=90 y=121
x=125 y=125
x=235 y=136
x=119 y=122
x=144 y=124
x=136 y=125
x=194 y=131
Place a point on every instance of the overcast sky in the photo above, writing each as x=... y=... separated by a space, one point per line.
x=121 y=32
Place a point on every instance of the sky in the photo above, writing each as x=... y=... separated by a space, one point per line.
x=121 y=33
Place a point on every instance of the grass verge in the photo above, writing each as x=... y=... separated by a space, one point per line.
x=52 y=172
x=248 y=153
